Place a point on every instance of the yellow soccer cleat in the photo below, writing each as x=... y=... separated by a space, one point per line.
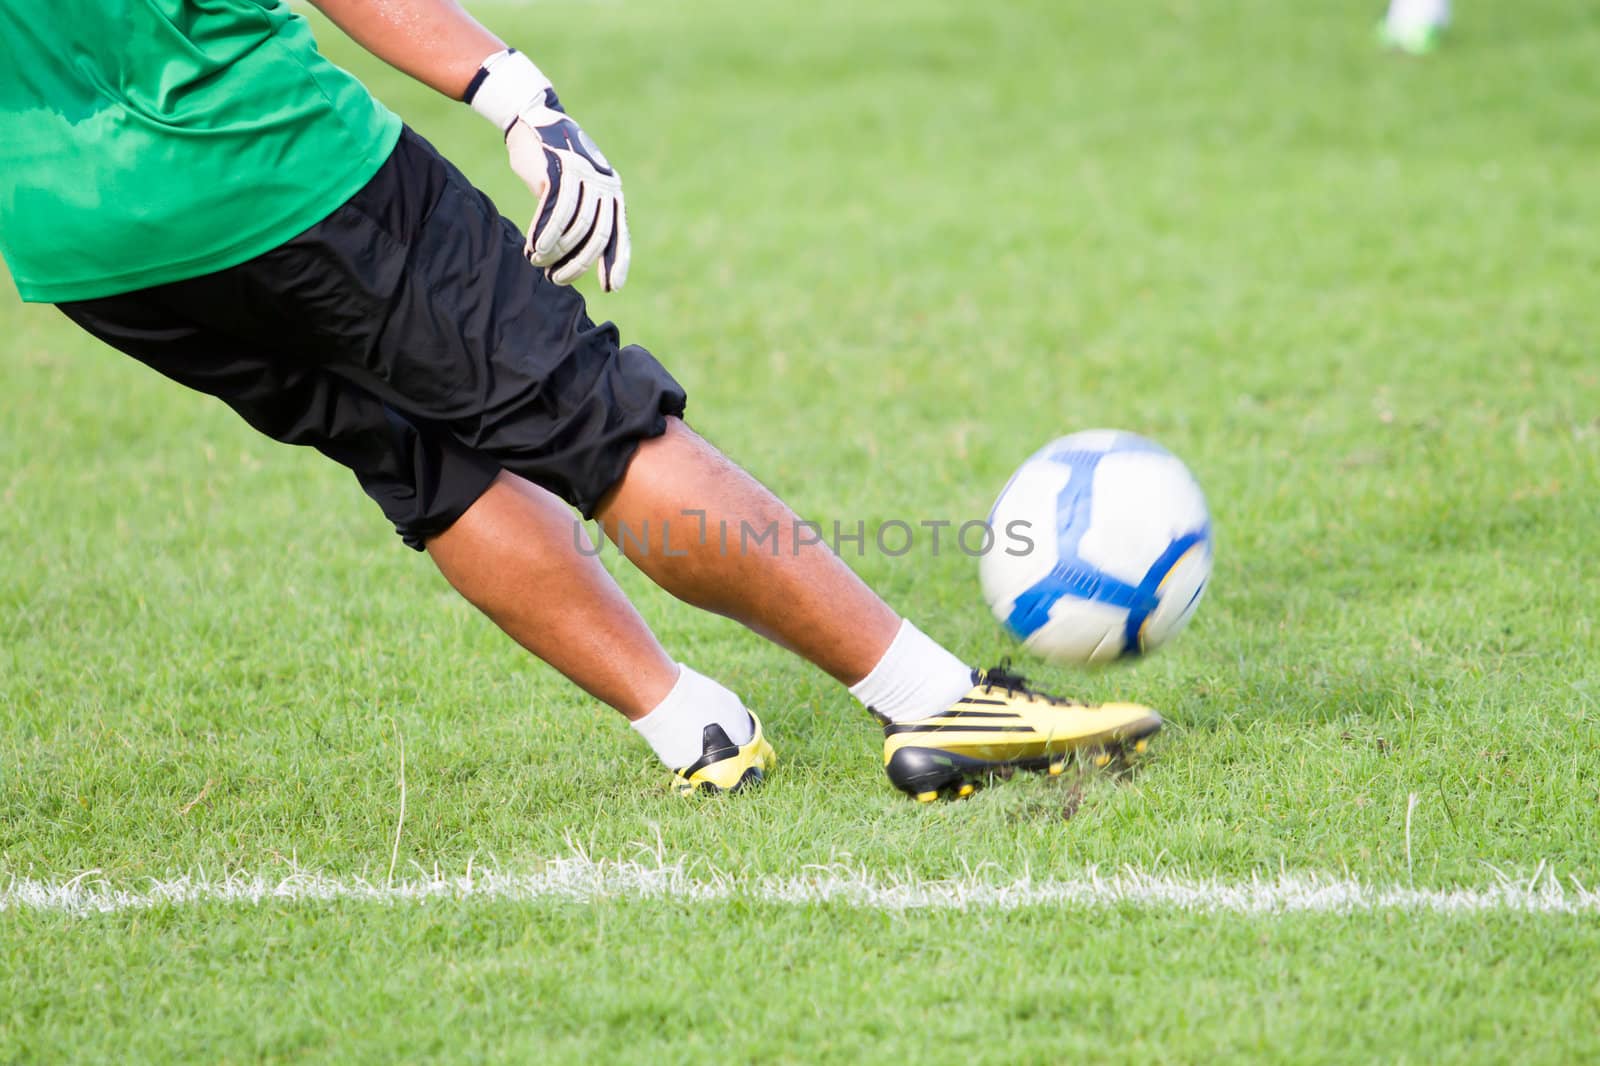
x=1002 y=724
x=726 y=766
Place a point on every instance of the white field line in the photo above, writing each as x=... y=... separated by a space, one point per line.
x=582 y=879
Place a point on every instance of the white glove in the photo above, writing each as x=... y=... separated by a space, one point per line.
x=581 y=218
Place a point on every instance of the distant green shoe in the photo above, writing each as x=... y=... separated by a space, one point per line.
x=1413 y=40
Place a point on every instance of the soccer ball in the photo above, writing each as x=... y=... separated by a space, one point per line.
x=1100 y=548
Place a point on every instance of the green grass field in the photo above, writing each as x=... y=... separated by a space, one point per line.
x=890 y=249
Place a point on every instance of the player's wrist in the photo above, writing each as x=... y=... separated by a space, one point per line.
x=507 y=83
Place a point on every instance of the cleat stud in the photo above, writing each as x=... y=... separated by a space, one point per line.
x=1140 y=746
x=1102 y=760
x=927 y=797
x=1057 y=769
x=966 y=790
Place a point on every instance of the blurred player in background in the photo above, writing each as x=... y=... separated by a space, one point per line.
x=1414 y=26
x=194 y=184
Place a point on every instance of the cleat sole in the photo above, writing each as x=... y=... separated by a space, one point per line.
x=751 y=778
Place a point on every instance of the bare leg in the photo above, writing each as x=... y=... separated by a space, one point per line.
x=803 y=597
x=514 y=556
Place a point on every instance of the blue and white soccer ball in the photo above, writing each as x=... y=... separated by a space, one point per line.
x=1101 y=550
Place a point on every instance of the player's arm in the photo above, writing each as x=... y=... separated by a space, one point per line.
x=581 y=219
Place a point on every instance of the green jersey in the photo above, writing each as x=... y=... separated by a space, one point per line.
x=146 y=141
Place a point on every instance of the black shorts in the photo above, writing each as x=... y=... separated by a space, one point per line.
x=406 y=337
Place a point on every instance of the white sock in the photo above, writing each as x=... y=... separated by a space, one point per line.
x=915 y=678
x=1418 y=14
x=675 y=727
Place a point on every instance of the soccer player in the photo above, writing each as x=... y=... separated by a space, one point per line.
x=194 y=184
x=1414 y=26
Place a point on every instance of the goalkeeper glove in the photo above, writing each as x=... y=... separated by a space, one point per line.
x=581 y=219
